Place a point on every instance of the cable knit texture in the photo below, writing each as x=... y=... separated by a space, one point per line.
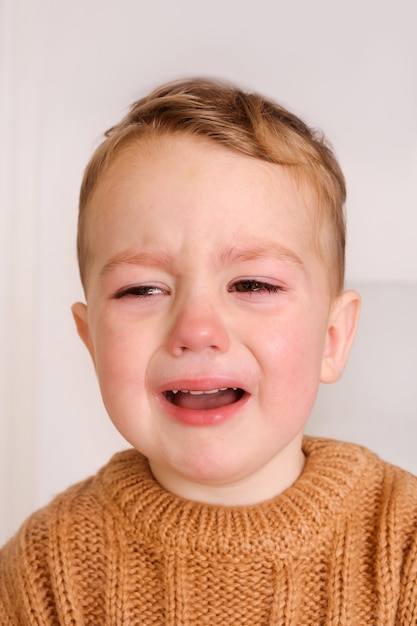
x=339 y=547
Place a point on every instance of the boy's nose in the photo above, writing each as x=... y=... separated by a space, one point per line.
x=198 y=327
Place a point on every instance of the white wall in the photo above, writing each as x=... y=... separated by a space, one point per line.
x=68 y=71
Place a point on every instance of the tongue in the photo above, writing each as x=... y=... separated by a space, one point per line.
x=206 y=401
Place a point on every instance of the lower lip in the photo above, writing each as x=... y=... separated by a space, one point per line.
x=211 y=417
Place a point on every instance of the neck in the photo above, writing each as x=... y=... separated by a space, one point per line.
x=262 y=485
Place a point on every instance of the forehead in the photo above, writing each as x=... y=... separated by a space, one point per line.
x=159 y=189
x=158 y=164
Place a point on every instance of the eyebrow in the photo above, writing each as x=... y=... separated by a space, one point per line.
x=235 y=254
x=145 y=259
x=261 y=250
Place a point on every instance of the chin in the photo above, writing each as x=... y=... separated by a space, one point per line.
x=212 y=466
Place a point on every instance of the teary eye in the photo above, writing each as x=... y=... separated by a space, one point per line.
x=140 y=291
x=252 y=286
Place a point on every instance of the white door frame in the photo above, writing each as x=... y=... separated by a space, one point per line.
x=19 y=212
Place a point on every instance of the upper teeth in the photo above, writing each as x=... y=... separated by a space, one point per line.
x=199 y=393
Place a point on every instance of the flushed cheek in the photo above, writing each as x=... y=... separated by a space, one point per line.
x=291 y=368
x=120 y=364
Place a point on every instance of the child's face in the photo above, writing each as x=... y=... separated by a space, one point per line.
x=204 y=278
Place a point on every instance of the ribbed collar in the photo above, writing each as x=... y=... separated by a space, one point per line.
x=332 y=474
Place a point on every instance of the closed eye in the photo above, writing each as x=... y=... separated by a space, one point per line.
x=254 y=286
x=140 y=291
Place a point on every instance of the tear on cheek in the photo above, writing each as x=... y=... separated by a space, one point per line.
x=203 y=401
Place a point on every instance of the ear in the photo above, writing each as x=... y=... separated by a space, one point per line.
x=343 y=321
x=80 y=315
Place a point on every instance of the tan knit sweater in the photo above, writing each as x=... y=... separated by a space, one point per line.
x=339 y=547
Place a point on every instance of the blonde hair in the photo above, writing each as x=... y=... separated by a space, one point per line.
x=244 y=122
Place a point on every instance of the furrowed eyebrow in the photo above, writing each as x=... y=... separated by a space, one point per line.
x=144 y=259
x=264 y=250
x=235 y=254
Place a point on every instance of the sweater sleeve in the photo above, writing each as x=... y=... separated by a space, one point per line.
x=35 y=575
x=407 y=606
x=9 y=605
x=25 y=592
x=406 y=516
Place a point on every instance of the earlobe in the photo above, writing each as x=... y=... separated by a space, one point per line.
x=80 y=315
x=343 y=321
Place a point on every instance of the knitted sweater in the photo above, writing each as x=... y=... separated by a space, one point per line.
x=339 y=547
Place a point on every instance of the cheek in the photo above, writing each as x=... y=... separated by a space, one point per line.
x=120 y=359
x=292 y=363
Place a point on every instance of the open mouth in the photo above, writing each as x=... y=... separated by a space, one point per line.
x=204 y=400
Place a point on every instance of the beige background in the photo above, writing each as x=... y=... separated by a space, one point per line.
x=68 y=70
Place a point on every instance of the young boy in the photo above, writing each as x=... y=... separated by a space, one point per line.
x=211 y=250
